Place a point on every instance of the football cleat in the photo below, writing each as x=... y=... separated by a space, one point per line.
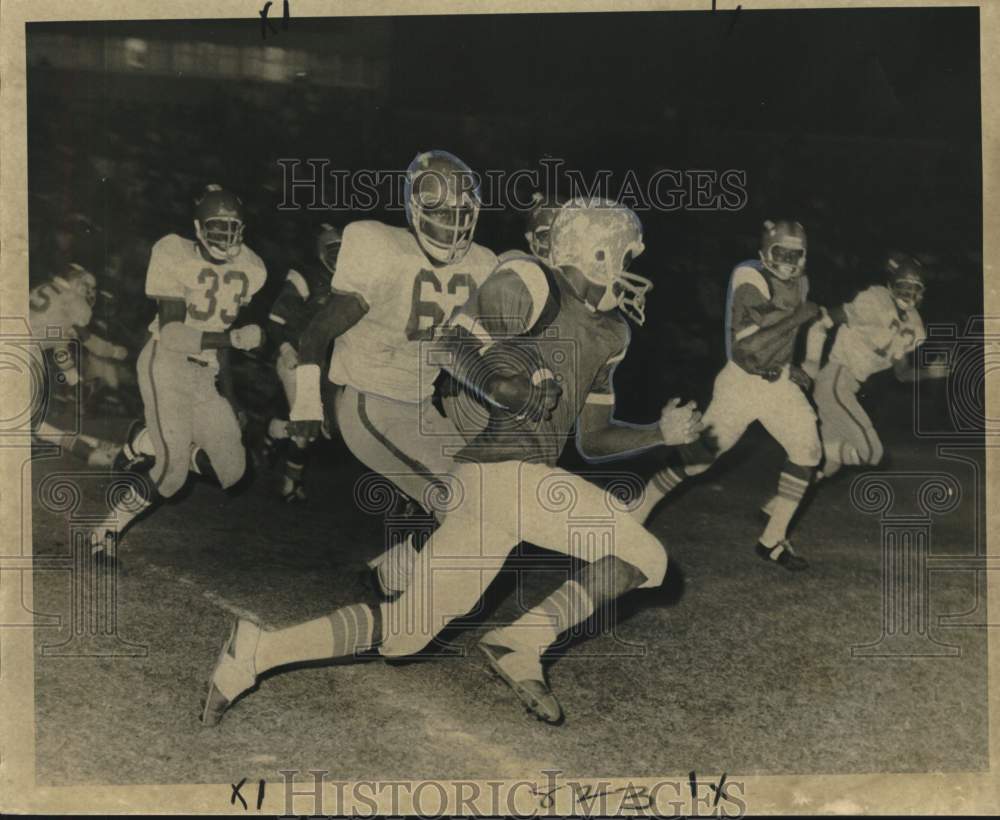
x=783 y=555
x=234 y=672
x=130 y=460
x=521 y=670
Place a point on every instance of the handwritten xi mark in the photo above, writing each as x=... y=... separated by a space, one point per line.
x=265 y=22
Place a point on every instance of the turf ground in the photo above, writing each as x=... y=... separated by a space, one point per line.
x=734 y=666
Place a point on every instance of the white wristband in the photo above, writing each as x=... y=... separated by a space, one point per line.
x=307 y=406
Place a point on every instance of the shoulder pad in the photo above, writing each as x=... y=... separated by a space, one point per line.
x=748 y=273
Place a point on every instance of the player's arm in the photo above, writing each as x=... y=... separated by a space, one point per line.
x=287 y=306
x=507 y=305
x=753 y=342
x=179 y=337
x=100 y=346
x=601 y=437
x=340 y=312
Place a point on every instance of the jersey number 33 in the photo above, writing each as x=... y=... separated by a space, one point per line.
x=224 y=294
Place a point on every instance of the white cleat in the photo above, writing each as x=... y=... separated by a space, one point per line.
x=234 y=671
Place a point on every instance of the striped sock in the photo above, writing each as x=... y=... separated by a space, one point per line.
x=792 y=485
x=344 y=632
x=538 y=628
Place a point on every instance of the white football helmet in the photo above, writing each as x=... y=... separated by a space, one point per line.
x=442 y=205
x=599 y=238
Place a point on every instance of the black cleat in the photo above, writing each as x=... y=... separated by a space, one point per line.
x=531 y=690
x=128 y=460
x=783 y=555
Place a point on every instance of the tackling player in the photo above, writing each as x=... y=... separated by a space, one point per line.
x=880 y=328
x=199 y=286
x=60 y=310
x=510 y=346
x=765 y=308
x=305 y=290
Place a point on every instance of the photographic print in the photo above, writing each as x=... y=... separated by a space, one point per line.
x=497 y=410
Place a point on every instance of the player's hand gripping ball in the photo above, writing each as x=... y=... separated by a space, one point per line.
x=533 y=397
x=246 y=338
x=680 y=424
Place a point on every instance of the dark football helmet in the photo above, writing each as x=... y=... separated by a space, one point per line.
x=906 y=280
x=442 y=205
x=218 y=223
x=540 y=217
x=783 y=248
x=328 y=246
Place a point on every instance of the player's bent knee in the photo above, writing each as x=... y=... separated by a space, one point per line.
x=877 y=453
x=171 y=482
x=649 y=556
x=232 y=469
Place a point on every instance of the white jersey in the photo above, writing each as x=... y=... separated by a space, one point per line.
x=877 y=333
x=213 y=292
x=408 y=298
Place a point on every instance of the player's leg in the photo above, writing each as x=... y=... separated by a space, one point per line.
x=449 y=577
x=726 y=419
x=408 y=444
x=790 y=419
x=94 y=451
x=165 y=386
x=618 y=555
x=294 y=464
x=219 y=453
x=250 y=651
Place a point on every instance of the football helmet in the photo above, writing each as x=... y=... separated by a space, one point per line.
x=783 y=248
x=540 y=217
x=80 y=280
x=218 y=223
x=597 y=239
x=906 y=280
x=328 y=246
x=442 y=205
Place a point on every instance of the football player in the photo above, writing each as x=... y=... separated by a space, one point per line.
x=880 y=328
x=305 y=290
x=59 y=311
x=200 y=286
x=765 y=308
x=393 y=288
x=512 y=345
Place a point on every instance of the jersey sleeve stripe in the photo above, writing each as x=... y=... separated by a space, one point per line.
x=298 y=280
x=533 y=278
x=749 y=330
x=274 y=317
x=475 y=328
x=601 y=398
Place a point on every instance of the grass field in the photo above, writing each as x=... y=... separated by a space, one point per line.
x=734 y=666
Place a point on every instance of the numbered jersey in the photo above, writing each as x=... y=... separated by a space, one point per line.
x=55 y=313
x=408 y=298
x=212 y=292
x=877 y=333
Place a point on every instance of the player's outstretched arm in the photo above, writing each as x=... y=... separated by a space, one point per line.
x=183 y=338
x=602 y=437
x=100 y=346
